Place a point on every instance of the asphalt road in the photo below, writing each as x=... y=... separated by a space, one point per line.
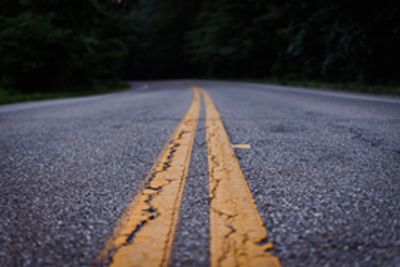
x=324 y=169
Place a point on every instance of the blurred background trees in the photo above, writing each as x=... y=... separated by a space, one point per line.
x=64 y=44
x=58 y=44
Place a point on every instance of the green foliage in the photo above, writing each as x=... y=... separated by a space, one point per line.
x=320 y=40
x=27 y=40
x=51 y=45
x=63 y=44
x=230 y=37
x=159 y=30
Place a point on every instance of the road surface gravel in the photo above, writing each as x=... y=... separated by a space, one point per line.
x=324 y=168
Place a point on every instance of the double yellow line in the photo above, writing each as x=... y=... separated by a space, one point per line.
x=145 y=234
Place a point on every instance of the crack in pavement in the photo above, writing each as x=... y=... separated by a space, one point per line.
x=151 y=213
x=238 y=235
x=146 y=231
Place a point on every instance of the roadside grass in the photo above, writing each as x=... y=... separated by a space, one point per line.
x=9 y=96
x=393 y=90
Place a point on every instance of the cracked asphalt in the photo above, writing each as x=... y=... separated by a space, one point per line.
x=324 y=169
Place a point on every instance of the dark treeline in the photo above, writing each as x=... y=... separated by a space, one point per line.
x=64 y=44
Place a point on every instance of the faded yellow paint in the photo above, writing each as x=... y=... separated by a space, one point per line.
x=238 y=235
x=242 y=146
x=146 y=231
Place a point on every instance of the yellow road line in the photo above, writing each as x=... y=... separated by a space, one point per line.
x=238 y=235
x=146 y=231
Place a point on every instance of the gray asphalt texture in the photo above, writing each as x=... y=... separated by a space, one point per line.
x=324 y=169
x=192 y=238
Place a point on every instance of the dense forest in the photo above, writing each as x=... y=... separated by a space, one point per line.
x=67 y=44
